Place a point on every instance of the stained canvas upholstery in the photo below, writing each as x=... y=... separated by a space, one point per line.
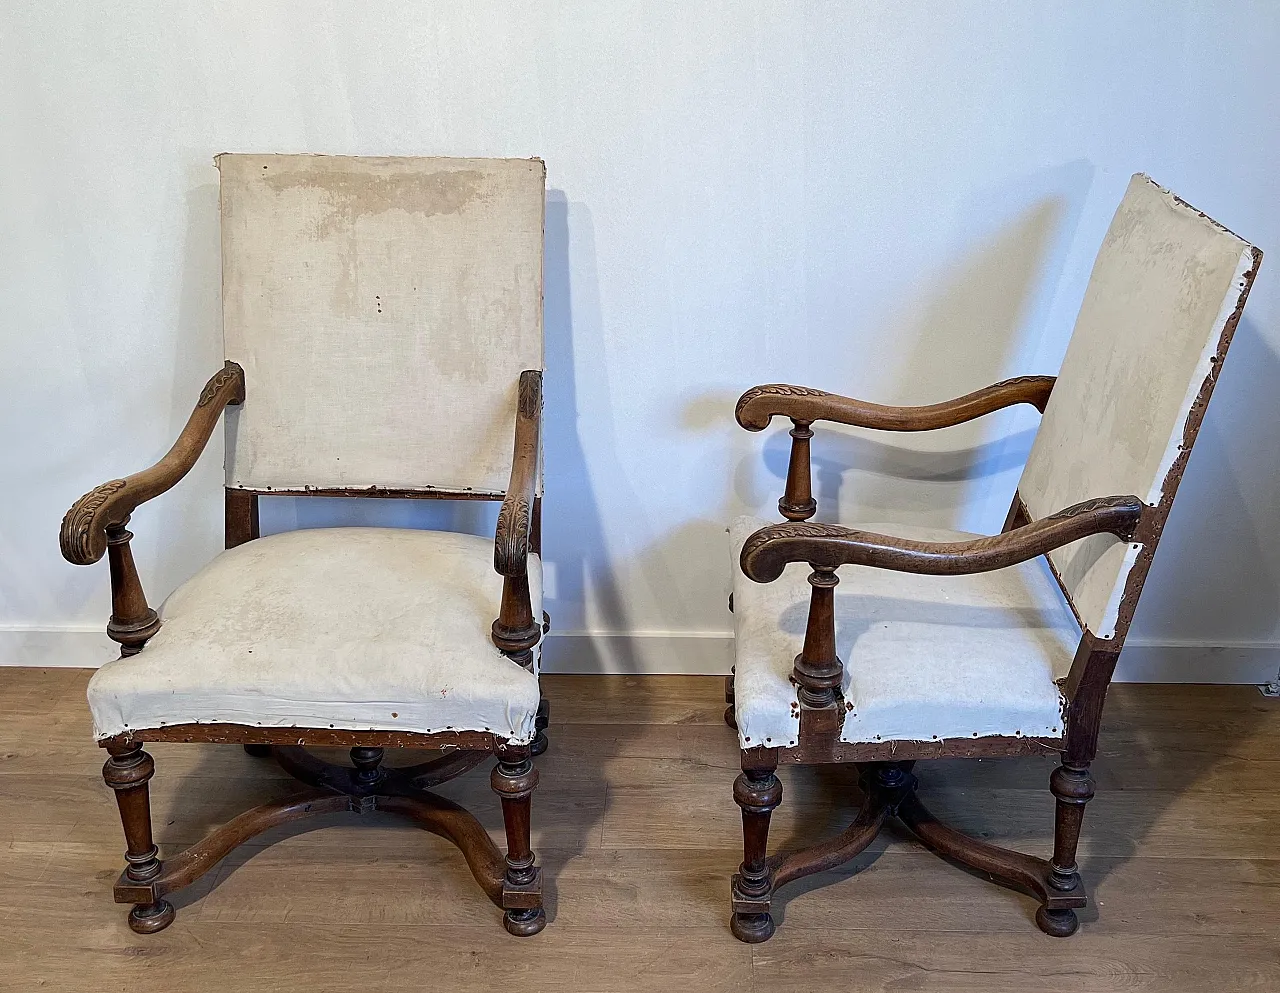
x=356 y=628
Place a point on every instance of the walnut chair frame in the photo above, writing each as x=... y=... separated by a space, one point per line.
x=885 y=767
x=96 y=525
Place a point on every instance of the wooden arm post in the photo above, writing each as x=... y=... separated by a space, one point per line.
x=797 y=503
x=818 y=670
x=132 y=621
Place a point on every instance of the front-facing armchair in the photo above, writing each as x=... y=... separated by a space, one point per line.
x=383 y=337
x=891 y=644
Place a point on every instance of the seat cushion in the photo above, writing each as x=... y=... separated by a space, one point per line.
x=356 y=628
x=925 y=657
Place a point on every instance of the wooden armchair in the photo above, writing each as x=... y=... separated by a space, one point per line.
x=383 y=335
x=957 y=645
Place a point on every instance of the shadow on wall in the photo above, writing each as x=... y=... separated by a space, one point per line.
x=189 y=524
x=978 y=320
x=572 y=523
x=178 y=533
x=1212 y=581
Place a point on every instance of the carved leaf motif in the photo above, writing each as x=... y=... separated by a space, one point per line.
x=530 y=398
x=78 y=527
x=1099 y=503
x=774 y=390
x=511 y=538
x=764 y=537
x=227 y=374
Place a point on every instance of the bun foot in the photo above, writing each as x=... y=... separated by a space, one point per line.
x=524 y=923
x=1057 y=923
x=752 y=928
x=539 y=744
x=148 y=918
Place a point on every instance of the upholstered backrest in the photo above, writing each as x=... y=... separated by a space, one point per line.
x=1163 y=300
x=383 y=310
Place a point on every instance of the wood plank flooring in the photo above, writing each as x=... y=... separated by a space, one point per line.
x=638 y=835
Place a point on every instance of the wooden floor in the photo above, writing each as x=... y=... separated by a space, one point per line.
x=638 y=834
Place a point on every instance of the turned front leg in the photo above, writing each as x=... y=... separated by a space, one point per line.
x=757 y=791
x=127 y=772
x=1072 y=788
x=514 y=779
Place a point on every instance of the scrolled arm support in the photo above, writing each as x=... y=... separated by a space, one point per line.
x=95 y=524
x=515 y=631
x=826 y=546
x=84 y=536
x=758 y=406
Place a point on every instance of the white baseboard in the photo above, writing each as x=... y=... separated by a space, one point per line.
x=74 y=647
x=1190 y=662
x=647 y=652
x=699 y=653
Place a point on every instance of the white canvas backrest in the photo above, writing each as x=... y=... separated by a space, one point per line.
x=383 y=310
x=1163 y=300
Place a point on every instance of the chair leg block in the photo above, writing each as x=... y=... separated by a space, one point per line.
x=523 y=896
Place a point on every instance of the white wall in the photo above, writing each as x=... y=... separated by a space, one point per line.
x=899 y=201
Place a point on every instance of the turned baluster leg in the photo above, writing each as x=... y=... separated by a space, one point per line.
x=757 y=791
x=514 y=779
x=1072 y=788
x=128 y=771
x=797 y=503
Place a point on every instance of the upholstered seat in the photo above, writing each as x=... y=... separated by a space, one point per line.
x=356 y=628
x=925 y=657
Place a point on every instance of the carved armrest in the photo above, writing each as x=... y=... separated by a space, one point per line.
x=95 y=524
x=827 y=546
x=84 y=528
x=757 y=407
x=818 y=670
x=515 y=631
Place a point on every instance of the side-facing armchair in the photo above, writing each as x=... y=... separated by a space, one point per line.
x=382 y=326
x=953 y=645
